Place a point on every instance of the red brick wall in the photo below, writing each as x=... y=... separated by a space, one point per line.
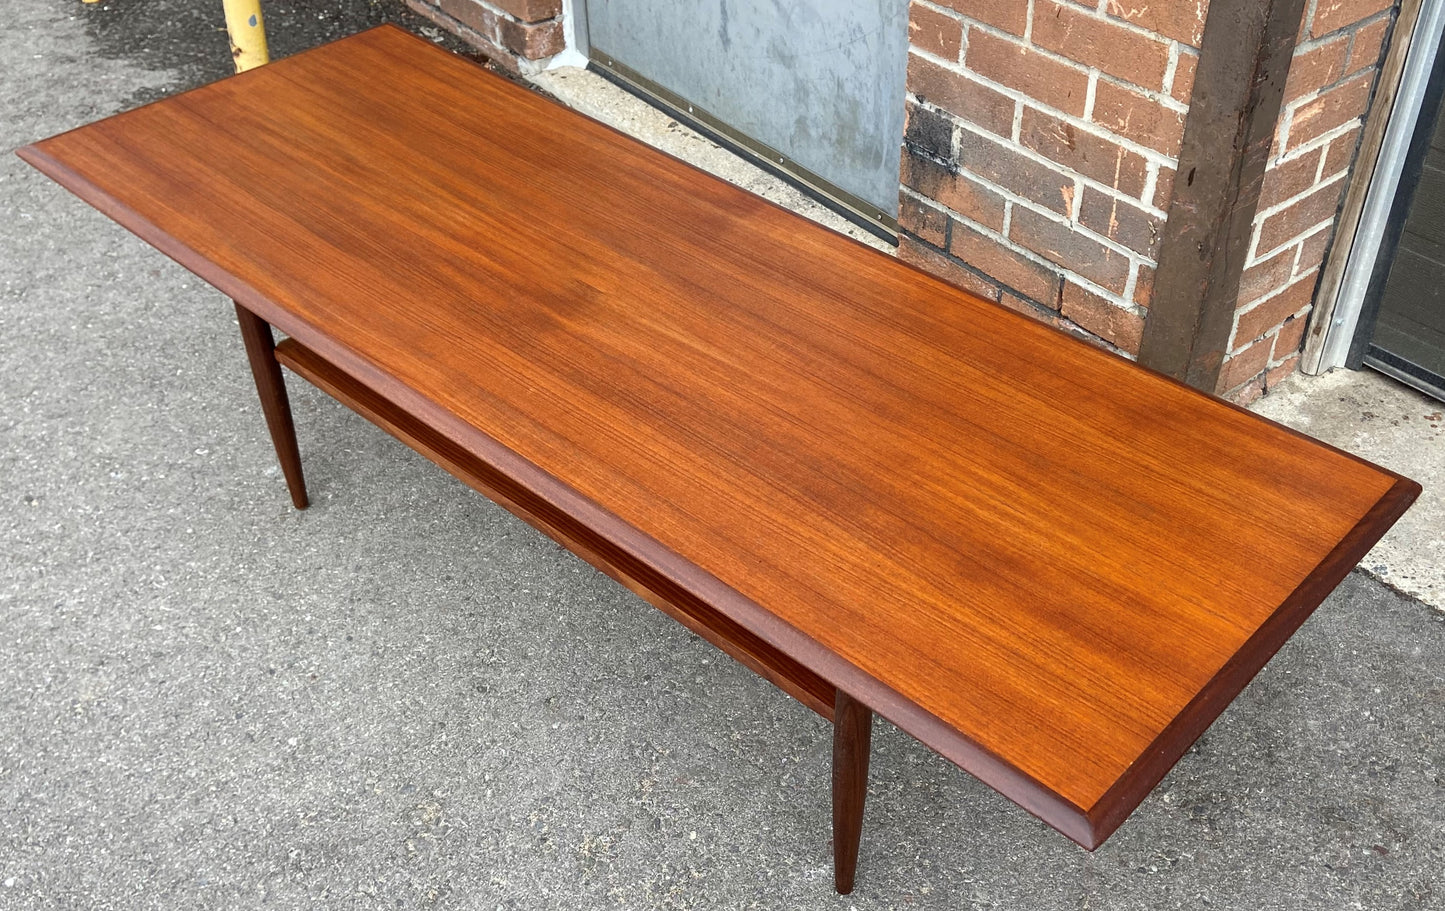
x=511 y=33
x=1040 y=149
x=1329 y=88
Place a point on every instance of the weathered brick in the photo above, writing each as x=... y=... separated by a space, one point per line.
x=1331 y=109
x=1336 y=14
x=1015 y=172
x=1121 y=222
x=1314 y=248
x=1170 y=18
x=1315 y=209
x=1266 y=277
x=1163 y=188
x=1023 y=69
x=1138 y=117
x=1009 y=15
x=1144 y=285
x=1243 y=366
x=473 y=15
x=530 y=10
x=1341 y=154
x=966 y=98
x=1004 y=265
x=1071 y=32
x=957 y=191
x=1277 y=375
x=1092 y=155
x=1122 y=328
x=1265 y=316
x=1247 y=394
x=1182 y=89
x=1289 y=338
x=531 y=41
x=1316 y=68
x=1289 y=178
x=928 y=132
x=934 y=32
x=946 y=268
x=1368 y=44
x=1073 y=250
x=1028 y=308
x=928 y=223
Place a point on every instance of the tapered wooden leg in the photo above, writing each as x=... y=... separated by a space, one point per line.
x=852 y=737
x=271 y=386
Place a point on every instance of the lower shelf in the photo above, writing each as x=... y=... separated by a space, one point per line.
x=790 y=676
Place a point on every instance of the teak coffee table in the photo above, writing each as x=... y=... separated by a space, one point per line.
x=877 y=491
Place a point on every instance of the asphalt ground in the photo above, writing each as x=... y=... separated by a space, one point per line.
x=405 y=698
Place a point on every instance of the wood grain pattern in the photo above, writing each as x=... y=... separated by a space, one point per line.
x=1051 y=566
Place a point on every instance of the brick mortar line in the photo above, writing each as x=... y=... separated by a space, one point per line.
x=1151 y=186
x=1037 y=258
x=1099 y=13
x=1279 y=207
x=1319 y=41
x=970 y=267
x=1315 y=95
x=1154 y=95
x=942 y=10
x=506 y=15
x=1009 y=196
x=1043 y=313
x=1297 y=246
x=1299 y=252
x=1256 y=257
x=1280 y=140
x=1255 y=305
x=1163 y=99
x=1303 y=239
x=1040 y=158
x=1275 y=251
x=433 y=11
x=1359 y=24
x=1088 y=126
x=1314 y=145
x=1273 y=332
x=1171 y=70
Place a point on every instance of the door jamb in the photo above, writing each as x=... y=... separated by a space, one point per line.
x=1346 y=275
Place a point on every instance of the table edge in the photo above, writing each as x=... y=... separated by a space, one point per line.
x=1131 y=788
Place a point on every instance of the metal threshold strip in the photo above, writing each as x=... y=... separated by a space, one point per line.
x=860 y=212
x=1406 y=371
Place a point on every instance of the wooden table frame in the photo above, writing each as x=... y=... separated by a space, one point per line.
x=1019 y=549
x=852 y=720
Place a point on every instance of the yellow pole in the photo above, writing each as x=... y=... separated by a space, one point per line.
x=248 y=33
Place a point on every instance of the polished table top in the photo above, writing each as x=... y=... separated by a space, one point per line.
x=1048 y=564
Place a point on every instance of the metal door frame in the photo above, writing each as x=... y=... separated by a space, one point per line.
x=1363 y=350
x=1364 y=252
